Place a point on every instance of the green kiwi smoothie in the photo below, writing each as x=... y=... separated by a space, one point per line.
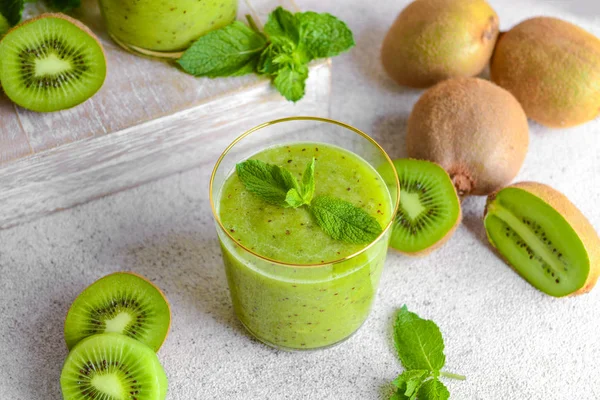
x=165 y=26
x=302 y=306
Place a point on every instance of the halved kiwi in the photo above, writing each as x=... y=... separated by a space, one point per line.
x=112 y=366
x=429 y=209
x=51 y=63
x=123 y=303
x=544 y=237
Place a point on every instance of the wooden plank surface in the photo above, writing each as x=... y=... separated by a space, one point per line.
x=136 y=90
x=68 y=175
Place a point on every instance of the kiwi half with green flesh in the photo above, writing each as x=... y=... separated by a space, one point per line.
x=123 y=303
x=429 y=209
x=110 y=366
x=544 y=237
x=51 y=63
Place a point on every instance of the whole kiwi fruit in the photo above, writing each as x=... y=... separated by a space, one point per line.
x=475 y=130
x=544 y=237
x=433 y=40
x=553 y=68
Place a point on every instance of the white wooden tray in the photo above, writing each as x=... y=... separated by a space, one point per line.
x=148 y=120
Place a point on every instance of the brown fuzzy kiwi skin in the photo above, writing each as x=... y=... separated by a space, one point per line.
x=143 y=278
x=580 y=224
x=433 y=40
x=542 y=62
x=474 y=129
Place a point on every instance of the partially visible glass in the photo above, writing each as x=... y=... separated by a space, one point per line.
x=164 y=28
x=297 y=306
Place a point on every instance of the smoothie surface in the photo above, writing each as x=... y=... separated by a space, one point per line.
x=291 y=235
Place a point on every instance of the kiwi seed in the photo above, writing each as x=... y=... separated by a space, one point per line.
x=474 y=129
x=544 y=237
x=51 y=63
x=429 y=210
x=112 y=366
x=124 y=303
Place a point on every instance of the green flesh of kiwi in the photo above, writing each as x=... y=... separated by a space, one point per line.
x=50 y=64
x=537 y=242
x=123 y=303
x=110 y=366
x=429 y=208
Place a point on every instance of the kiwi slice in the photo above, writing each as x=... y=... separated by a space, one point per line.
x=544 y=237
x=51 y=63
x=124 y=303
x=429 y=209
x=110 y=366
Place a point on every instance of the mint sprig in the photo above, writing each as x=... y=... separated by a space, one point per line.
x=420 y=348
x=282 y=52
x=338 y=218
x=12 y=10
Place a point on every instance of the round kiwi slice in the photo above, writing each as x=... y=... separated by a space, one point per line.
x=51 y=63
x=110 y=366
x=429 y=209
x=124 y=303
x=544 y=237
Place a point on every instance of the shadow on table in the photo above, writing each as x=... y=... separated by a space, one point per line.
x=189 y=270
x=472 y=209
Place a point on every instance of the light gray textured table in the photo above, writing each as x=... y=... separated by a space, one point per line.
x=511 y=341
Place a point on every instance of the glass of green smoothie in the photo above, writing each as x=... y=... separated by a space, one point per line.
x=292 y=285
x=164 y=29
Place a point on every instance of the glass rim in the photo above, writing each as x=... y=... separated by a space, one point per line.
x=302 y=118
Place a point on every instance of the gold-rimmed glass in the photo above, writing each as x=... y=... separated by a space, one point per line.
x=302 y=306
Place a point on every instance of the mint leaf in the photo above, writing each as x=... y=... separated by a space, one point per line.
x=64 y=5
x=343 y=221
x=4 y=26
x=323 y=35
x=268 y=181
x=433 y=389
x=230 y=51
x=290 y=81
x=308 y=182
x=12 y=10
x=282 y=28
x=419 y=342
x=293 y=198
x=409 y=382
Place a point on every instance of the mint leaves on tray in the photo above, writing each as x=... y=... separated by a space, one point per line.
x=338 y=218
x=281 y=51
x=420 y=348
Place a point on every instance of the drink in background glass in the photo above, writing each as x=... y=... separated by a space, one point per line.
x=292 y=285
x=164 y=28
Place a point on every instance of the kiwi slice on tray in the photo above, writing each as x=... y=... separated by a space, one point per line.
x=111 y=366
x=124 y=303
x=429 y=209
x=544 y=237
x=51 y=63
